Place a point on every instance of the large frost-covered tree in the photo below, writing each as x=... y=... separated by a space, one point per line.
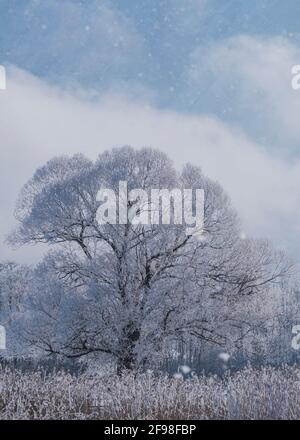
x=129 y=290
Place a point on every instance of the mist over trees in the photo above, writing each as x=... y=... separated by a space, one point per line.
x=131 y=294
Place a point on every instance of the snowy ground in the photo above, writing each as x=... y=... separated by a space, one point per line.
x=250 y=394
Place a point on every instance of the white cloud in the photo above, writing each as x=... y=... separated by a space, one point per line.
x=250 y=78
x=38 y=121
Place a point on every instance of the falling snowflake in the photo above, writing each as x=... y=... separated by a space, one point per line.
x=185 y=369
x=224 y=357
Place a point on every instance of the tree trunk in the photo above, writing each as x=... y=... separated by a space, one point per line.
x=127 y=359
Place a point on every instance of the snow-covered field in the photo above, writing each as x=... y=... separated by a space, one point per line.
x=249 y=394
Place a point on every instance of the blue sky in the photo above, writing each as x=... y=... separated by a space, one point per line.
x=146 y=48
x=205 y=80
